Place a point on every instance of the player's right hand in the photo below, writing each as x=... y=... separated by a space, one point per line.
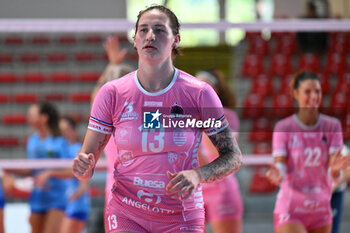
x=83 y=166
x=274 y=175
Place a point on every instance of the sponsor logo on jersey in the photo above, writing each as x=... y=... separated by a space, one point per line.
x=179 y=137
x=138 y=181
x=309 y=135
x=153 y=104
x=126 y=157
x=146 y=206
x=324 y=139
x=151 y=120
x=295 y=142
x=176 y=109
x=191 y=228
x=129 y=113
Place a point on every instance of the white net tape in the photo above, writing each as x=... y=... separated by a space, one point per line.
x=123 y=25
x=101 y=164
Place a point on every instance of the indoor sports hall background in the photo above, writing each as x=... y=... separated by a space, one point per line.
x=53 y=51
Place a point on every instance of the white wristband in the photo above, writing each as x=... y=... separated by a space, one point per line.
x=282 y=168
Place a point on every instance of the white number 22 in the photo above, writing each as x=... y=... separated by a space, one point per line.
x=313 y=156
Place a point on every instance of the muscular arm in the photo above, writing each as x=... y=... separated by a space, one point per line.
x=94 y=142
x=85 y=162
x=229 y=160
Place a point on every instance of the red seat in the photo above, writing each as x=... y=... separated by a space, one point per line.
x=310 y=62
x=56 y=57
x=336 y=63
x=252 y=65
x=61 y=77
x=67 y=40
x=286 y=44
x=88 y=76
x=94 y=39
x=338 y=104
x=258 y=46
x=280 y=65
x=251 y=36
x=6 y=58
x=285 y=84
x=26 y=98
x=282 y=105
x=253 y=106
x=84 y=57
x=280 y=35
x=29 y=58
x=343 y=83
x=54 y=97
x=261 y=130
x=8 y=78
x=40 y=40
x=34 y=77
x=80 y=97
x=325 y=83
x=14 y=40
x=11 y=119
x=9 y=141
x=347 y=127
x=262 y=85
x=262 y=148
x=4 y=98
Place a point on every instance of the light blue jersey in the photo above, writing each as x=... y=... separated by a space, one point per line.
x=79 y=208
x=2 y=200
x=52 y=195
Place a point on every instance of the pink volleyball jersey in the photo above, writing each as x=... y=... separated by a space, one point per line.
x=111 y=156
x=307 y=186
x=149 y=144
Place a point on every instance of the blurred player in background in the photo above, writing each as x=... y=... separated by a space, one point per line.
x=2 y=204
x=114 y=70
x=48 y=197
x=222 y=198
x=78 y=207
x=306 y=150
x=339 y=186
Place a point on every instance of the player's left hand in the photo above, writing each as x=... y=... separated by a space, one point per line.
x=338 y=163
x=182 y=184
x=41 y=178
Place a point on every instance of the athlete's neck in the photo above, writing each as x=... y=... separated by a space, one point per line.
x=44 y=132
x=155 y=77
x=308 y=116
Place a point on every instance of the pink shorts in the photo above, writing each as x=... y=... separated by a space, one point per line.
x=118 y=220
x=307 y=210
x=310 y=222
x=222 y=200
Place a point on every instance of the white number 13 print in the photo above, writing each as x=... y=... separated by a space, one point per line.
x=155 y=145
x=312 y=156
x=112 y=222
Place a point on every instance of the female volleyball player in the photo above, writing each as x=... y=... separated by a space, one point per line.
x=306 y=150
x=78 y=207
x=222 y=198
x=48 y=198
x=156 y=174
x=2 y=204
